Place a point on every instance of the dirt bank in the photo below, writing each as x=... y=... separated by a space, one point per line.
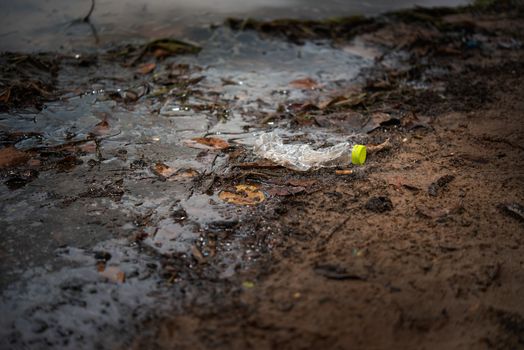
x=418 y=249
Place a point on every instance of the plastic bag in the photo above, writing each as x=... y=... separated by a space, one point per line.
x=302 y=157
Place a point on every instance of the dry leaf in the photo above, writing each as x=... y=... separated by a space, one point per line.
x=208 y=143
x=187 y=173
x=114 y=274
x=146 y=68
x=101 y=128
x=411 y=121
x=243 y=195
x=285 y=190
x=10 y=156
x=89 y=147
x=162 y=169
x=350 y=101
x=306 y=83
x=379 y=119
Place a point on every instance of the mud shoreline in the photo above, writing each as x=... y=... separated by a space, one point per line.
x=420 y=248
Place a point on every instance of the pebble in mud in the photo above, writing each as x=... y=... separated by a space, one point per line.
x=179 y=215
x=21 y=179
x=441 y=183
x=514 y=210
x=379 y=204
x=138 y=164
x=102 y=256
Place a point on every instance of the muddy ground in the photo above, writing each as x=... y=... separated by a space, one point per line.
x=420 y=248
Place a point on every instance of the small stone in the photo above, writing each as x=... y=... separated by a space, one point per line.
x=379 y=204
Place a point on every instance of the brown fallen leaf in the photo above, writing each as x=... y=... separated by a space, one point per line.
x=243 y=195
x=89 y=147
x=207 y=143
x=379 y=119
x=162 y=169
x=186 y=173
x=285 y=191
x=146 y=68
x=412 y=121
x=114 y=274
x=101 y=128
x=10 y=156
x=349 y=101
x=305 y=83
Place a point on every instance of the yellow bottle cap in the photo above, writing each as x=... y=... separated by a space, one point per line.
x=358 y=154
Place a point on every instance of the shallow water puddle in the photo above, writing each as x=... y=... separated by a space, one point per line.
x=35 y=25
x=133 y=174
x=220 y=92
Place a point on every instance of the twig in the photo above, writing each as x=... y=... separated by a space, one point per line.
x=325 y=240
x=378 y=148
x=98 y=151
x=86 y=18
x=336 y=228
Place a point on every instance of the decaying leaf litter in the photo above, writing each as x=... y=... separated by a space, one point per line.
x=204 y=243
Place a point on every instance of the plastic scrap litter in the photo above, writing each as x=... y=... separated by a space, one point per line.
x=302 y=157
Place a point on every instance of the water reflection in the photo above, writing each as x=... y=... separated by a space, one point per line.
x=43 y=25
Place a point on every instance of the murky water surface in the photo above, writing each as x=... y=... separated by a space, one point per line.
x=42 y=25
x=53 y=227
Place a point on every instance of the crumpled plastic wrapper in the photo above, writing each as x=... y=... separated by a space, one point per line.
x=299 y=156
